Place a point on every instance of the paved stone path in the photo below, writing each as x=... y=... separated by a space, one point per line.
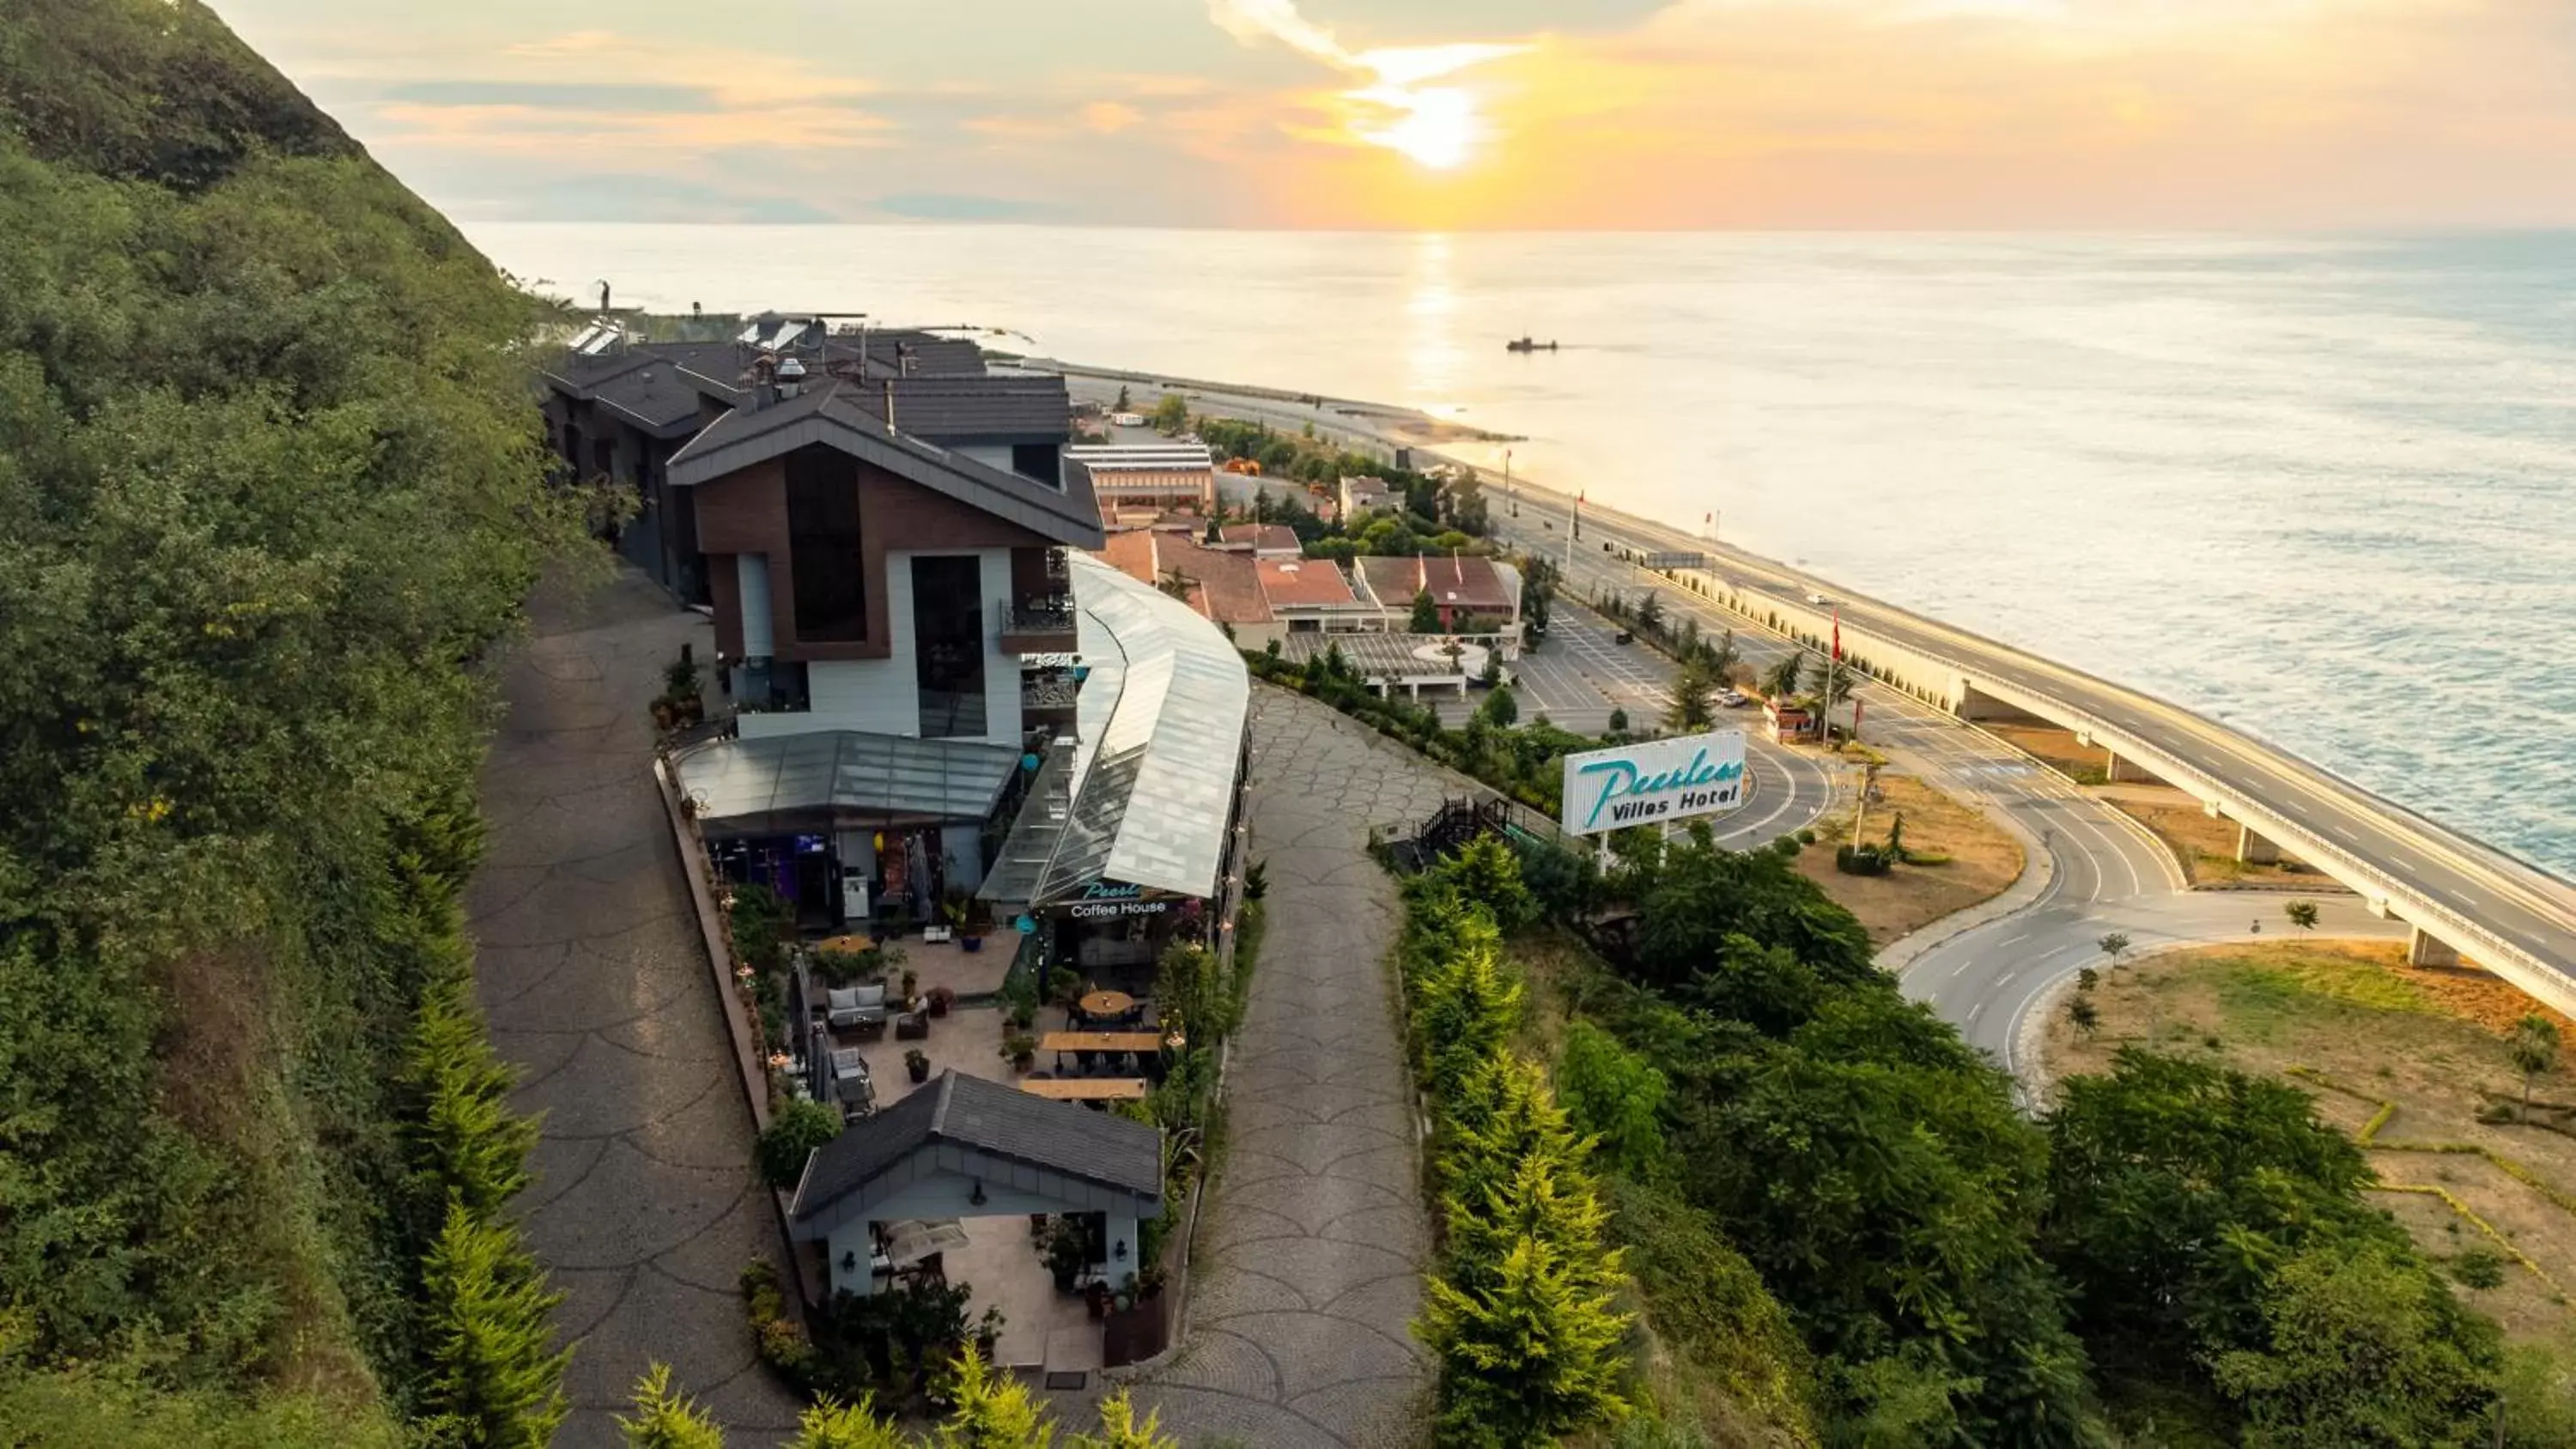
x=1309 y=1260
x=645 y=1207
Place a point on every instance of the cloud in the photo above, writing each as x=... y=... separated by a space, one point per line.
x=1390 y=107
x=944 y=206
x=1110 y=117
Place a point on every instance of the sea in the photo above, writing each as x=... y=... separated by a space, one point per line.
x=2319 y=487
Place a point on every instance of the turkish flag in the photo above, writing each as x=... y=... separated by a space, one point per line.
x=1838 y=636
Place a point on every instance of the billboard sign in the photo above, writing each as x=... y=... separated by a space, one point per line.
x=1654 y=782
x=1667 y=562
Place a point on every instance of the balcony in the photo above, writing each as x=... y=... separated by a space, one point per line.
x=1038 y=626
x=1048 y=701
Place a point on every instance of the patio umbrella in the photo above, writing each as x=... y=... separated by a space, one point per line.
x=913 y=1239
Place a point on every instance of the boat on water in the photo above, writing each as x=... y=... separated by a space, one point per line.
x=1526 y=344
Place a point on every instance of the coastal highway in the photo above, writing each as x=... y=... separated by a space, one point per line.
x=2502 y=912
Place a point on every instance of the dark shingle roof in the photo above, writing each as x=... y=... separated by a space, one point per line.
x=992 y=1118
x=966 y=409
x=850 y=417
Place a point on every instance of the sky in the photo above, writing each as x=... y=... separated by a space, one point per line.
x=1459 y=114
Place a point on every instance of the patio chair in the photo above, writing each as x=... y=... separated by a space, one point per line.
x=856 y=1006
x=851 y=1085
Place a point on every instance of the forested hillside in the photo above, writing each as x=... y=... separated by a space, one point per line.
x=268 y=489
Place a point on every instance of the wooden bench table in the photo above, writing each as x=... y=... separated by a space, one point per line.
x=1088 y=1089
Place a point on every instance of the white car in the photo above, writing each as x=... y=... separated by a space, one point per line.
x=1818 y=599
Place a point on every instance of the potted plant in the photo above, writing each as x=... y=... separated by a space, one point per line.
x=916 y=1064
x=1064 y=1254
x=911 y=979
x=1021 y=1049
x=1022 y=1017
x=1095 y=1297
x=988 y=1332
x=942 y=998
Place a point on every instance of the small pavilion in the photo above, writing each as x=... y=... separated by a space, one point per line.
x=961 y=1147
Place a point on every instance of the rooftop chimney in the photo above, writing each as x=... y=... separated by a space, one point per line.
x=791 y=377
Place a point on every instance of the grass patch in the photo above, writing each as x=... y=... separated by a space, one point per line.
x=2429 y=1041
x=1956 y=858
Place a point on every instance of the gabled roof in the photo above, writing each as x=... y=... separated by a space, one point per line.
x=1276 y=538
x=1100 y=1148
x=1465 y=581
x=1314 y=583
x=839 y=415
x=968 y=409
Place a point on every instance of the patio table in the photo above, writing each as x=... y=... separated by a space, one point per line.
x=1088 y=1089
x=1107 y=1003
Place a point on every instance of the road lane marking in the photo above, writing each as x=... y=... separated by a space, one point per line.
x=2024 y=936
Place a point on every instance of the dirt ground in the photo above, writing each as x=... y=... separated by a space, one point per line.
x=2431 y=1041
x=1983 y=859
x=2084 y=764
x=2205 y=844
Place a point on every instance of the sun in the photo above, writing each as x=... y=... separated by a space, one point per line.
x=1436 y=126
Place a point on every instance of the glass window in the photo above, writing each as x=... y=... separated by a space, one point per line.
x=823 y=545
x=1039 y=461
x=948 y=644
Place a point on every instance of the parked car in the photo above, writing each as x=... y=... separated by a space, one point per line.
x=1733 y=699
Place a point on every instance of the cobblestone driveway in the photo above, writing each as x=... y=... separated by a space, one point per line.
x=1310 y=1258
x=644 y=1208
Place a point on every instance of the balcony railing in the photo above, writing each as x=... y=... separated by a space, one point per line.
x=1049 y=694
x=1038 y=616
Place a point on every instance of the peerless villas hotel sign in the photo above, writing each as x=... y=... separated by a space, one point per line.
x=1654 y=783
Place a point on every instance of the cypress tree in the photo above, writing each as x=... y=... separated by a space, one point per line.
x=494 y=1369
x=991 y=1411
x=1529 y=1357
x=472 y=1146
x=665 y=1418
x=834 y=1425
x=1119 y=1429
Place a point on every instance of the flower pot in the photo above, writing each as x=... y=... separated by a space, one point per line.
x=972 y=944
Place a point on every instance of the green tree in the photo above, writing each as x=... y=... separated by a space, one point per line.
x=1172 y=414
x=470 y=1142
x=1121 y=405
x=1783 y=679
x=799 y=1128
x=1500 y=709
x=1486 y=872
x=991 y=1411
x=1530 y=1359
x=1723 y=658
x=2302 y=914
x=2363 y=1348
x=1426 y=613
x=2113 y=944
x=665 y=1418
x=1501 y=1114
x=831 y=1424
x=1467 y=1007
x=2534 y=1049
x=2086 y=979
x=1615 y=1095
x=1650 y=613
x=1618 y=722
x=494 y=1369
x=1694 y=705
x=2086 y=1016
x=1119 y=1429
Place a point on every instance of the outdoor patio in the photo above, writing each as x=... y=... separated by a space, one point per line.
x=1044 y=1333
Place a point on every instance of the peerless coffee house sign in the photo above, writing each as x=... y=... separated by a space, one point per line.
x=1103 y=899
x=1654 y=782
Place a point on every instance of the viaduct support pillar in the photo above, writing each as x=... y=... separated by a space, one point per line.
x=2424 y=950
x=2124 y=772
x=2255 y=850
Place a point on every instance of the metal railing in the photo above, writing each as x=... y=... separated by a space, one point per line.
x=1036 y=616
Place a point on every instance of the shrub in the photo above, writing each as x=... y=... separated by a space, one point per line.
x=493 y=1365
x=792 y=1136
x=665 y=1418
